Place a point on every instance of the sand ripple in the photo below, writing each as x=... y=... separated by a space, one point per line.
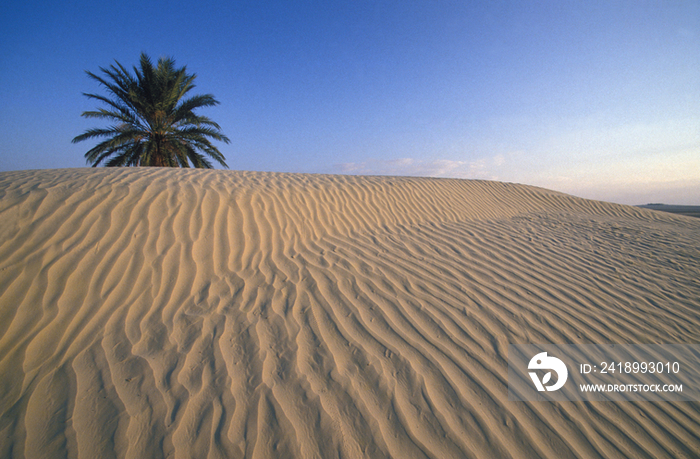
x=171 y=313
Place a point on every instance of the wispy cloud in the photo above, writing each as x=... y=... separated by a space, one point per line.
x=485 y=168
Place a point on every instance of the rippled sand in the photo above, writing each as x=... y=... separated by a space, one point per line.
x=216 y=314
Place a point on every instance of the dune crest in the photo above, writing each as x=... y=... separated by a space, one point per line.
x=189 y=313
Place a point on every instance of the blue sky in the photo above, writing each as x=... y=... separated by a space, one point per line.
x=597 y=99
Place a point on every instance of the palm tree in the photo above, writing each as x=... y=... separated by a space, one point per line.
x=154 y=125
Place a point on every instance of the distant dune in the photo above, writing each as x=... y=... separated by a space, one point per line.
x=149 y=313
x=690 y=211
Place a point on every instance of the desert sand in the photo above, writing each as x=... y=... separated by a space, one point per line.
x=149 y=313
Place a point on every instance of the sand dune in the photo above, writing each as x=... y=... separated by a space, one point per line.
x=215 y=314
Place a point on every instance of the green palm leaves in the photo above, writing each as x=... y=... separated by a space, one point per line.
x=154 y=124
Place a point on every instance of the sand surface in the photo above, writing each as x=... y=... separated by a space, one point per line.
x=152 y=313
